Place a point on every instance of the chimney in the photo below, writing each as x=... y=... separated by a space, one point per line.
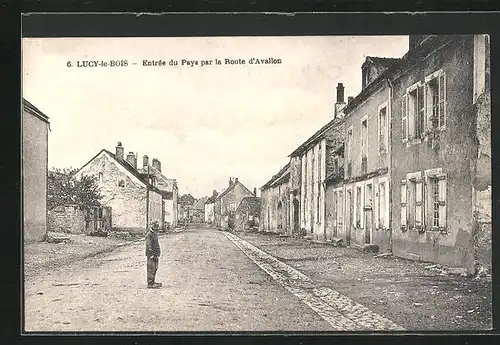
x=340 y=93
x=254 y=191
x=349 y=99
x=230 y=181
x=145 y=161
x=235 y=179
x=214 y=193
x=339 y=105
x=132 y=160
x=156 y=164
x=119 y=151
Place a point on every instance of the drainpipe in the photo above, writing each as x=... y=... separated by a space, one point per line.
x=389 y=163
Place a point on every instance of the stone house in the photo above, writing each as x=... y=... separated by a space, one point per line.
x=247 y=214
x=35 y=132
x=311 y=163
x=275 y=203
x=76 y=219
x=227 y=202
x=134 y=198
x=170 y=191
x=438 y=90
x=209 y=208
x=199 y=210
x=363 y=196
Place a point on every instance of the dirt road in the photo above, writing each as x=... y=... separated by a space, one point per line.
x=209 y=284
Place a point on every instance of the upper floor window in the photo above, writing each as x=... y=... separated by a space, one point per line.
x=423 y=107
x=101 y=178
x=121 y=183
x=382 y=133
x=364 y=136
x=349 y=145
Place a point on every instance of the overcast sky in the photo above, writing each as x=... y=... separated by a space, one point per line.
x=204 y=124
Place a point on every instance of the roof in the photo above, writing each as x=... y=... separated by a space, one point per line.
x=211 y=199
x=315 y=137
x=383 y=62
x=252 y=203
x=200 y=203
x=230 y=188
x=282 y=173
x=160 y=177
x=127 y=167
x=27 y=106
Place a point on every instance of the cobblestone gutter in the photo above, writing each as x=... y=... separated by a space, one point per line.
x=341 y=312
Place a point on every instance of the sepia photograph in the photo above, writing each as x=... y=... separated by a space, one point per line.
x=317 y=183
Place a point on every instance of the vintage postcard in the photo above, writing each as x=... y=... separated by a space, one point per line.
x=256 y=183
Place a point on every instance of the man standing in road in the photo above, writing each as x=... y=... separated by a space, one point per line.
x=152 y=254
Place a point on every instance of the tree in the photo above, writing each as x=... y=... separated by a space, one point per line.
x=63 y=188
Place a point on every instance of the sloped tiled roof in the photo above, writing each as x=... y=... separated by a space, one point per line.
x=383 y=62
x=200 y=203
x=27 y=106
x=283 y=171
x=315 y=137
x=250 y=203
x=230 y=188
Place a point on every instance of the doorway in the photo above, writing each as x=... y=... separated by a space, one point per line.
x=296 y=210
x=368 y=224
x=350 y=205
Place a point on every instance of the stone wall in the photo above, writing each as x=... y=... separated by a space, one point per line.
x=69 y=219
x=34 y=174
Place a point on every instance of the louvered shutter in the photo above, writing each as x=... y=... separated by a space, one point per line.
x=418 y=204
x=403 y=207
x=442 y=202
x=442 y=100
x=404 y=118
x=421 y=111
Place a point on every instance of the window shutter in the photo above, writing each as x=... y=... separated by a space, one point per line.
x=376 y=209
x=403 y=206
x=442 y=202
x=442 y=100
x=419 y=204
x=421 y=110
x=404 y=117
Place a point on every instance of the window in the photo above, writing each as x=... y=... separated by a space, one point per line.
x=364 y=132
x=121 y=183
x=413 y=113
x=349 y=145
x=382 y=134
x=369 y=195
x=358 y=207
x=436 y=100
x=232 y=207
x=100 y=177
x=403 y=206
x=381 y=205
x=436 y=208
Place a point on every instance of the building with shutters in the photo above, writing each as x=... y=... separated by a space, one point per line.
x=434 y=146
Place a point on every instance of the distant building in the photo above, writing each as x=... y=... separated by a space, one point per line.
x=34 y=172
x=275 y=204
x=134 y=197
x=247 y=214
x=199 y=210
x=170 y=191
x=227 y=202
x=209 y=208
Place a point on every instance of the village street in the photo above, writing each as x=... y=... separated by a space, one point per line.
x=216 y=281
x=208 y=285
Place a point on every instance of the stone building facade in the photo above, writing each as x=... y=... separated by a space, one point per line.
x=275 y=207
x=35 y=129
x=247 y=214
x=133 y=197
x=363 y=196
x=433 y=151
x=227 y=202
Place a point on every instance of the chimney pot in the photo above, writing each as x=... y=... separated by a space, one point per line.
x=340 y=93
x=132 y=160
x=119 y=151
x=254 y=191
x=145 y=161
x=235 y=179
